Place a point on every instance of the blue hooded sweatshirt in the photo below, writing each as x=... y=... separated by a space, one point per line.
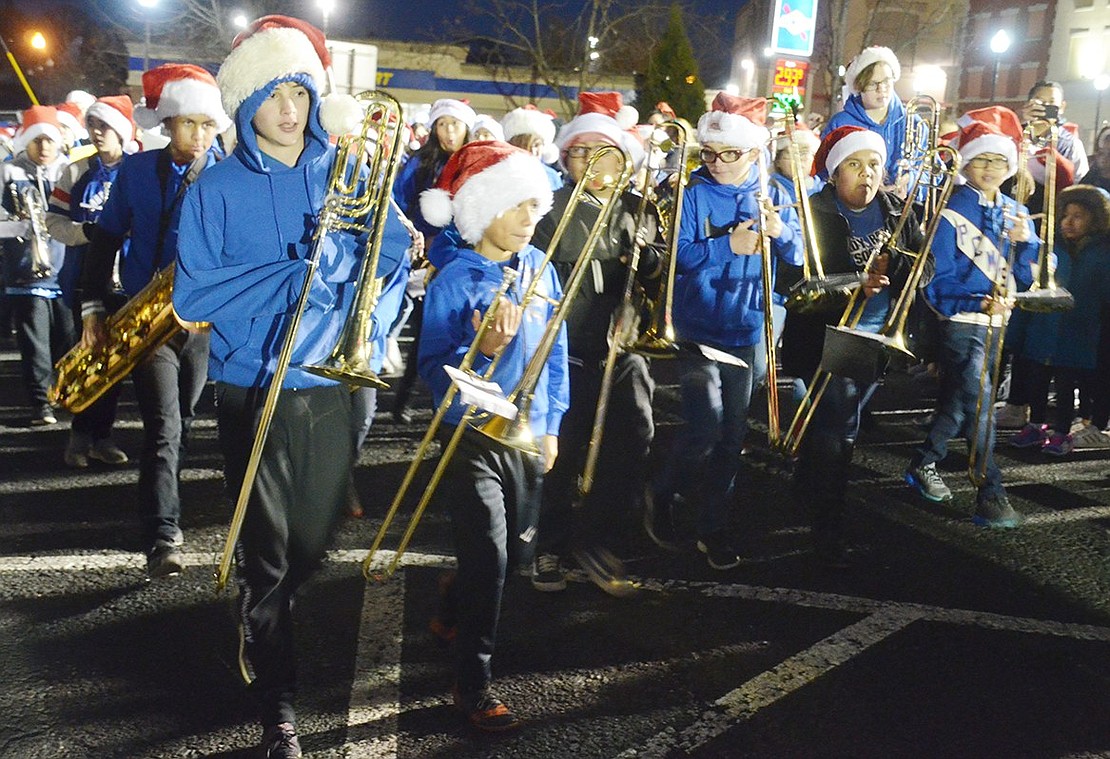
x=468 y=283
x=892 y=130
x=718 y=296
x=246 y=232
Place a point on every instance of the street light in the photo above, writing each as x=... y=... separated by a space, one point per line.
x=149 y=5
x=326 y=7
x=38 y=42
x=1000 y=43
x=1101 y=82
x=240 y=20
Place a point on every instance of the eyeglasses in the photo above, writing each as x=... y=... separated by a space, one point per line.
x=883 y=84
x=579 y=151
x=725 y=156
x=982 y=162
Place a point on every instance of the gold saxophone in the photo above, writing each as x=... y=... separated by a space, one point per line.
x=143 y=325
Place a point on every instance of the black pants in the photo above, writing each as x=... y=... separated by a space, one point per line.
x=492 y=494
x=44 y=332
x=168 y=384
x=292 y=514
x=622 y=463
x=1067 y=381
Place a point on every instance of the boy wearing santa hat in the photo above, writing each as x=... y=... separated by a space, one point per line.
x=984 y=249
x=852 y=218
x=718 y=314
x=242 y=267
x=495 y=194
x=44 y=326
x=75 y=205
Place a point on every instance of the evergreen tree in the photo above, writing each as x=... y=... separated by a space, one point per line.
x=672 y=74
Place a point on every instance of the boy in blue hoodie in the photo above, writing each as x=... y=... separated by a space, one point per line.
x=495 y=193
x=718 y=315
x=246 y=230
x=984 y=238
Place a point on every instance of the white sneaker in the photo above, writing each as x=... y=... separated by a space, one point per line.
x=393 y=356
x=1011 y=417
x=1090 y=436
x=77 y=450
x=107 y=452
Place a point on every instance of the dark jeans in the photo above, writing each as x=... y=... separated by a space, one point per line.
x=168 y=384
x=963 y=350
x=408 y=378
x=622 y=462
x=1067 y=380
x=706 y=454
x=44 y=332
x=292 y=514
x=493 y=495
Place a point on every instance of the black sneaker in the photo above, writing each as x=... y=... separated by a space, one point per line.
x=164 y=560
x=659 y=521
x=547 y=574
x=485 y=711
x=719 y=553
x=280 y=742
x=995 y=511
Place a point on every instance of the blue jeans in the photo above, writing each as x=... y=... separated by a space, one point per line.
x=963 y=350
x=715 y=400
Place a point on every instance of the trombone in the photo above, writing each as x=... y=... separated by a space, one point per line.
x=918 y=143
x=859 y=355
x=350 y=196
x=514 y=434
x=767 y=262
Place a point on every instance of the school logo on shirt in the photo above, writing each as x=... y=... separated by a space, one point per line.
x=860 y=248
x=971 y=241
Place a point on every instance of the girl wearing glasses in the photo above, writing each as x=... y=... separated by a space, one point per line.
x=871 y=102
x=718 y=314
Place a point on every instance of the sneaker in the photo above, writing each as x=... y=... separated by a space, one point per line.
x=927 y=481
x=42 y=416
x=280 y=742
x=995 y=511
x=659 y=521
x=485 y=711
x=165 y=560
x=1090 y=436
x=1011 y=417
x=1030 y=436
x=77 y=451
x=719 y=553
x=354 y=504
x=107 y=452
x=1059 y=445
x=547 y=574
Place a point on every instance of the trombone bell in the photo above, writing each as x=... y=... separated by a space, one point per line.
x=858 y=355
x=813 y=293
x=512 y=433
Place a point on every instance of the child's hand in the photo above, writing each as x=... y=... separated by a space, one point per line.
x=550 y=446
x=772 y=222
x=501 y=330
x=1019 y=232
x=876 y=276
x=994 y=306
x=743 y=240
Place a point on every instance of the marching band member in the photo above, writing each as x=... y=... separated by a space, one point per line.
x=533 y=130
x=852 y=218
x=241 y=267
x=145 y=205
x=718 y=314
x=43 y=323
x=624 y=456
x=495 y=193
x=981 y=229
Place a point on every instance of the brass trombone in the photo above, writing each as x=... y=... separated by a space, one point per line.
x=350 y=196
x=767 y=263
x=862 y=356
x=918 y=143
x=518 y=436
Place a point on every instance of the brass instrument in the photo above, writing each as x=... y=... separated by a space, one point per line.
x=1045 y=296
x=526 y=387
x=658 y=339
x=29 y=205
x=918 y=144
x=767 y=262
x=862 y=356
x=350 y=196
x=143 y=325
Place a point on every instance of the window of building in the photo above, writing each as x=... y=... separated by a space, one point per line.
x=1037 y=22
x=1081 y=48
x=1083 y=4
x=1030 y=75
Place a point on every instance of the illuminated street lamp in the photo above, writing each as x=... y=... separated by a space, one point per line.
x=148 y=5
x=326 y=7
x=1000 y=43
x=38 y=42
x=240 y=20
x=1101 y=82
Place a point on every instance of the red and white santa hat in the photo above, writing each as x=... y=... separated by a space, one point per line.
x=841 y=143
x=179 y=89
x=1003 y=119
x=38 y=121
x=81 y=98
x=868 y=56
x=458 y=109
x=602 y=116
x=69 y=115
x=529 y=120
x=490 y=124
x=118 y=113
x=481 y=181
x=735 y=121
x=980 y=137
x=276 y=47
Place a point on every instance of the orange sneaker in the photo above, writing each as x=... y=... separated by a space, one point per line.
x=485 y=711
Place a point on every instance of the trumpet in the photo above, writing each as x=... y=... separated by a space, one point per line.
x=515 y=433
x=350 y=196
x=29 y=205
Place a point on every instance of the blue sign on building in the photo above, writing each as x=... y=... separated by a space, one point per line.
x=793 y=27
